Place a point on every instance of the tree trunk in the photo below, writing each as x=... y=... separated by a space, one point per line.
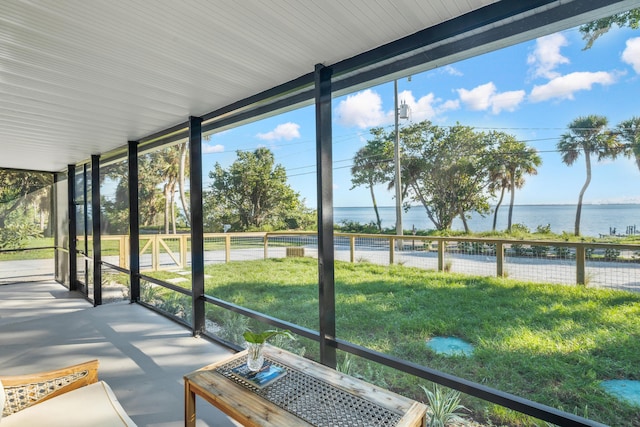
x=375 y=207
x=587 y=157
x=495 y=214
x=172 y=206
x=464 y=222
x=181 y=177
x=512 y=190
x=426 y=207
x=6 y=213
x=173 y=212
x=166 y=208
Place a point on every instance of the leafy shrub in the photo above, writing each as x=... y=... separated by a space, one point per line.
x=177 y=305
x=348 y=226
x=567 y=236
x=562 y=252
x=444 y=406
x=150 y=294
x=16 y=235
x=518 y=249
x=368 y=373
x=173 y=303
x=491 y=248
x=293 y=346
x=478 y=247
x=520 y=228
x=543 y=229
x=465 y=247
x=232 y=326
x=539 y=251
x=611 y=254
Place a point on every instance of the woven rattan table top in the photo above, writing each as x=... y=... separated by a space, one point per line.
x=316 y=401
x=313 y=393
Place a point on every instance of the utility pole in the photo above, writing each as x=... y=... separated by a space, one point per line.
x=401 y=111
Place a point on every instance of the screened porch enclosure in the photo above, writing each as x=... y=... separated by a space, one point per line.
x=144 y=258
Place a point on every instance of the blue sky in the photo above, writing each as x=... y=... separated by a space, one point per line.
x=532 y=90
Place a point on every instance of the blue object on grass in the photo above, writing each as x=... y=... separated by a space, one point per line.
x=450 y=346
x=628 y=390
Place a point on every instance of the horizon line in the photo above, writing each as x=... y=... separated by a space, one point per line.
x=524 y=204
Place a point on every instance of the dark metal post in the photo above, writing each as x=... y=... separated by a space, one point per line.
x=197 y=227
x=324 y=153
x=95 y=219
x=73 y=256
x=85 y=212
x=134 y=223
x=53 y=225
x=53 y=201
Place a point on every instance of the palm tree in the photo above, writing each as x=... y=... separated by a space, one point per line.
x=514 y=159
x=371 y=165
x=498 y=181
x=168 y=164
x=587 y=135
x=629 y=131
x=182 y=174
x=523 y=161
x=150 y=197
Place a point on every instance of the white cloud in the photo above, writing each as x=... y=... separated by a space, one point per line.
x=419 y=110
x=427 y=107
x=478 y=98
x=486 y=96
x=452 y=104
x=507 y=101
x=286 y=131
x=364 y=109
x=452 y=71
x=546 y=56
x=208 y=149
x=631 y=54
x=564 y=87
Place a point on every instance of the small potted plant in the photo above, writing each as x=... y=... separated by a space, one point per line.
x=255 y=345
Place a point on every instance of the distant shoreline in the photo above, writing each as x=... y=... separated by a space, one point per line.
x=596 y=219
x=502 y=205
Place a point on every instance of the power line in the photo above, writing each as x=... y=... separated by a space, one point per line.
x=347 y=137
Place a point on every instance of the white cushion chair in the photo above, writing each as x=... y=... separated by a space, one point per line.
x=70 y=396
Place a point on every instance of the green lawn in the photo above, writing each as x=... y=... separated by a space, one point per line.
x=548 y=343
x=31 y=254
x=109 y=247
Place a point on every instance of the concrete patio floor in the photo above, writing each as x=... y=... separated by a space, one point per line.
x=143 y=355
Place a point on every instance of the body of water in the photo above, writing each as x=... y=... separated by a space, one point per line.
x=595 y=219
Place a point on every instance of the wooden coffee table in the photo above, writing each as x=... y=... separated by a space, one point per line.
x=310 y=394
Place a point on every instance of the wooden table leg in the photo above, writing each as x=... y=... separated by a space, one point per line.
x=189 y=406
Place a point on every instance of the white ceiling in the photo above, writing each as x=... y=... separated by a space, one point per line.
x=82 y=77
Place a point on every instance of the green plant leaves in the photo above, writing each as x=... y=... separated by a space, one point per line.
x=262 y=337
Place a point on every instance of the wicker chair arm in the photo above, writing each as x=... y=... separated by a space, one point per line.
x=23 y=391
